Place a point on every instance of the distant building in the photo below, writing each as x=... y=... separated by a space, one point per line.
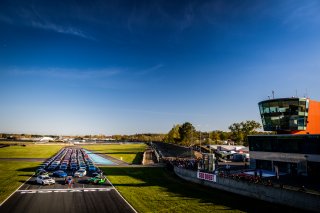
x=46 y=139
x=295 y=149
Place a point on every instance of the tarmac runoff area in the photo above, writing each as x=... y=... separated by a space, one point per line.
x=81 y=197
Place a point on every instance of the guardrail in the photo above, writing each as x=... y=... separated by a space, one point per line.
x=156 y=152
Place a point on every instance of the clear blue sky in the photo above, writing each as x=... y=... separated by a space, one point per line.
x=125 y=67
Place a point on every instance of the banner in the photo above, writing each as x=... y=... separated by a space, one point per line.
x=206 y=176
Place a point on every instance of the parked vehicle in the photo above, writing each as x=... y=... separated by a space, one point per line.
x=97 y=172
x=73 y=166
x=41 y=172
x=45 y=180
x=59 y=173
x=99 y=179
x=63 y=167
x=80 y=173
x=92 y=168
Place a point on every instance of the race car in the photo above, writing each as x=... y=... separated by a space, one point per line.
x=99 y=179
x=80 y=173
x=41 y=172
x=45 y=180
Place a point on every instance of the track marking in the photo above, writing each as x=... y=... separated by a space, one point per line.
x=75 y=191
x=29 y=192
x=42 y=191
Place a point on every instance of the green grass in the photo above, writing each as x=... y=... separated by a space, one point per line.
x=130 y=153
x=159 y=190
x=13 y=174
x=29 y=151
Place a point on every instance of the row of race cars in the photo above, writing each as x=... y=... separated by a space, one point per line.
x=69 y=163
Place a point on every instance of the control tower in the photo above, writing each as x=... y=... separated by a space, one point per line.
x=295 y=148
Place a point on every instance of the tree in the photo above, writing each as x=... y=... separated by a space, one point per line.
x=215 y=136
x=240 y=131
x=187 y=132
x=236 y=132
x=224 y=135
x=173 y=135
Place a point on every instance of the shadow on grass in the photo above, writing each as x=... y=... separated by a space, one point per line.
x=138 y=158
x=28 y=169
x=186 y=190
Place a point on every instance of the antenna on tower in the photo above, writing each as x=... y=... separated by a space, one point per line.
x=272 y=94
x=296 y=93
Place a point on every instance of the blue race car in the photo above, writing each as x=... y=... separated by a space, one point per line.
x=59 y=173
x=92 y=168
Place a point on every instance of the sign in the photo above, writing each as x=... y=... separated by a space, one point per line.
x=206 y=176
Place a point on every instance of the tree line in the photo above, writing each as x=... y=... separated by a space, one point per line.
x=181 y=134
x=187 y=135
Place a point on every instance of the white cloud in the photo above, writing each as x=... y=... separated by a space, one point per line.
x=61 y=29
x=74 y=74
x=40 y=20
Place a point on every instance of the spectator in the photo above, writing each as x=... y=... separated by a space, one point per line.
x=260 y=173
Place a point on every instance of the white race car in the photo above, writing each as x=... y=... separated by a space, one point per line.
x=45 y=180
x=80 y=173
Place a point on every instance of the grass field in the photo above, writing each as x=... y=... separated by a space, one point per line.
x=159 y=190
x=13 y=174
x=130 y=153
x=29 y=151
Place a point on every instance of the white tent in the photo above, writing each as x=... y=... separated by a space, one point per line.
x=46 y=139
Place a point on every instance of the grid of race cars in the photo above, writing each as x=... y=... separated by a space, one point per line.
x=69 y=164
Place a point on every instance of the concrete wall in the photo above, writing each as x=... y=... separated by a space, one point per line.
x=275 y=195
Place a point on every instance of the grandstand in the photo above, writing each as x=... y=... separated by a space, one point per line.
x=167 y=150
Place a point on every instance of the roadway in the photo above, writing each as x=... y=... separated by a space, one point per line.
x=80 y=198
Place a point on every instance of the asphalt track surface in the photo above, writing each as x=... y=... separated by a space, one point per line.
x=82 y=197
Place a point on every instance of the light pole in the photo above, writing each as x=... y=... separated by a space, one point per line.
x=200 y=137
x=200 y=141
x=209 y=141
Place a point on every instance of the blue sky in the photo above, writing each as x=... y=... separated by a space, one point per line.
x=125 y=67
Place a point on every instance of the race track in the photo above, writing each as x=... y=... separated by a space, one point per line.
x=81 y=198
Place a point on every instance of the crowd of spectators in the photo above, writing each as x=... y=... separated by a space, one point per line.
x=224 y=172
x=173 y=155
x=245 y=177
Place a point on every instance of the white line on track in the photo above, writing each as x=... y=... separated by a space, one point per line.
x=28 y=192
x=64 y=190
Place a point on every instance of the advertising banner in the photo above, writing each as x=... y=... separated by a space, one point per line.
x=206 y=176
